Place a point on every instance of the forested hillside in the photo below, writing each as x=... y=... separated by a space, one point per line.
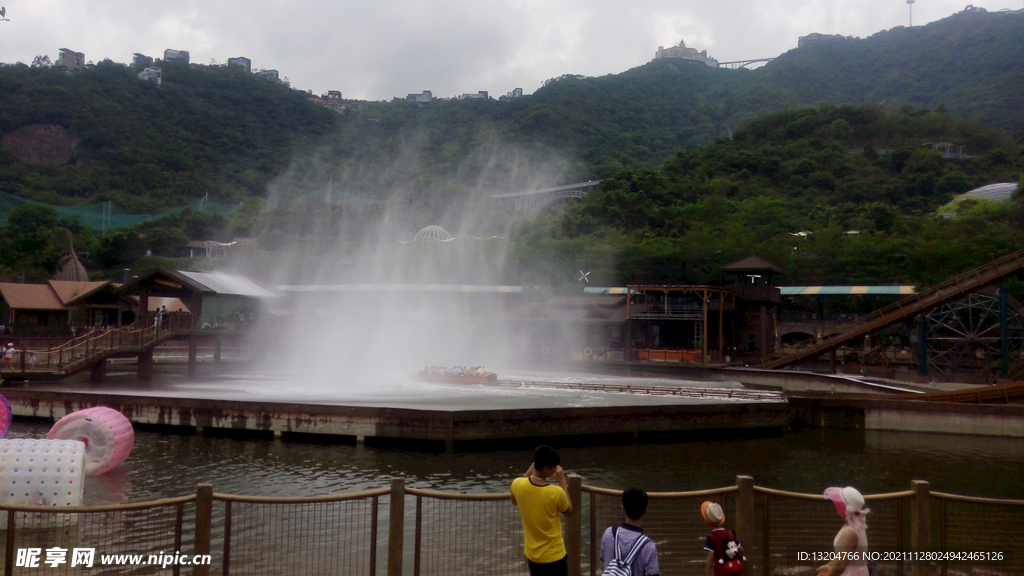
x=833 y=195
x=691 y=161
x=147 y=147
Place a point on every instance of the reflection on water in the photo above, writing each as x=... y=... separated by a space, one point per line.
x=166 y=465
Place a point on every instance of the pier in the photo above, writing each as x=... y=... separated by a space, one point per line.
x=630 y=416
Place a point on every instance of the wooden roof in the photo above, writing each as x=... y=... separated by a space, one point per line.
x=752 y=263
x=70 y=292
x=31 y=297
x=182 y=284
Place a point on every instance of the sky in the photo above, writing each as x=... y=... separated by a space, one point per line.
x=390 y=48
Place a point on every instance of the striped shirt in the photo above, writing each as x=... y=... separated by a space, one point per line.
x=646 y=562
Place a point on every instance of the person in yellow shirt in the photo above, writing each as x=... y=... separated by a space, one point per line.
x=539 y=503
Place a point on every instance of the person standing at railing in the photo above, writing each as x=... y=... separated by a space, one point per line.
x=629 y=535
x=725 y=554
x=852 y=537
x=9 y=356
x=539 y=504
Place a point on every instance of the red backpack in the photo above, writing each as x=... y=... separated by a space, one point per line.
x=728 y=558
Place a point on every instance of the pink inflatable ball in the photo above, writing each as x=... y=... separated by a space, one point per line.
x=5 y=417
x=107 y=434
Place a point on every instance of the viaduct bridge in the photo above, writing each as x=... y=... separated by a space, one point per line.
x=533 y=201
x=743 y=63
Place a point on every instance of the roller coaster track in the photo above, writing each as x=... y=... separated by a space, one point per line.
x=948 y=291
x=1011 y=392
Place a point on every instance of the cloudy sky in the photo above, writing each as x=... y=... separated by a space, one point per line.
x=376 y=50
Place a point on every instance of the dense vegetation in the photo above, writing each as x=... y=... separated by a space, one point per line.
x=146 y=148
x=696 y=174
x=832 y=195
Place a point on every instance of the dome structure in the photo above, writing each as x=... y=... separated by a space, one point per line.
x=435 y=233
x=998 y=192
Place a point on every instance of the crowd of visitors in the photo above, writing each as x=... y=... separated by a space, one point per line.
x=626 y=551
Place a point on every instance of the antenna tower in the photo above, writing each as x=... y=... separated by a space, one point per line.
x=910 y=5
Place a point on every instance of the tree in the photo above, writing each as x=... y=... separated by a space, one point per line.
x=41 y=62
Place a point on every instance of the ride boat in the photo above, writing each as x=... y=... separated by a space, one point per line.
x=458 y=375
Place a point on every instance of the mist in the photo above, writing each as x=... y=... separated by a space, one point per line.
x=362 y=292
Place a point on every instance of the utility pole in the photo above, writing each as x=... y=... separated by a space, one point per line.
x=910 y=5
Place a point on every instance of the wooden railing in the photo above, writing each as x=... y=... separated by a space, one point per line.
x=96 y=344
x=912 y=531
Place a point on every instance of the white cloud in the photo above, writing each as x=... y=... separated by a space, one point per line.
x=379 y=50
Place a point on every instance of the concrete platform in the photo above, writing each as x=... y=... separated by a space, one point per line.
x=908 y=415
x=477 y=414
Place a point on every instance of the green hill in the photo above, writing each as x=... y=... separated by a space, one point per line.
x=210 y=132
x=805 y=189
x=218 y=131
x=146 y=147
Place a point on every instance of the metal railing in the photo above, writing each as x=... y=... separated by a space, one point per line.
x=318 y=534
x=793 y=522
x=117 y=532
x=652 y=390
x=915 y=531
x=448 y=539
x=672 y=521
x=989 y=526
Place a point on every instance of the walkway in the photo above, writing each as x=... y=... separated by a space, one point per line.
x=90 y=351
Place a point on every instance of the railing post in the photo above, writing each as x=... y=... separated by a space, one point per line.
x=745 y=512
x=204 y=520
x=920 y=524
x=9 y=544
x=574 y=526
x=396 y=526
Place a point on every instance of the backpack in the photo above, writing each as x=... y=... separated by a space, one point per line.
x=620 y=566
x=728 y=559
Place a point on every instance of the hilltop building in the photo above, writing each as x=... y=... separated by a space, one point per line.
x=141 y=60
x=272 y=74
x=241 y=62
x=423 y=98
x=683 y=53
x=176 y=55
x=815 y=37
x=515 y=93
x=334 y=101
x=480 y=94
x=152 y=74
x=70 y=61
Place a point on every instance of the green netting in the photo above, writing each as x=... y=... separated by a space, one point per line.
x=107 y=216
x=326 y=195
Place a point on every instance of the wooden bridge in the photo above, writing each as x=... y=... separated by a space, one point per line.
x=909 y=307
x=91 y=350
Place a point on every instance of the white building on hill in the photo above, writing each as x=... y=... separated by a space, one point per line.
x=683 y=53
